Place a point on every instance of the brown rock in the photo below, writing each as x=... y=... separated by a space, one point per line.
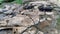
x=43 y=24
x=21 y=20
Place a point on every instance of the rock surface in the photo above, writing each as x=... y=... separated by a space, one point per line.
x=32 y=21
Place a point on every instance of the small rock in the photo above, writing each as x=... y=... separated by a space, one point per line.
x=25 y=33
x=8 y=12
x=7 y=7
x=39 y=32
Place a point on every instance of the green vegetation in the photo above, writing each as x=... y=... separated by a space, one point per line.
x=1 y=1
x=16 y=1
x=58 y=23
x=19 y=1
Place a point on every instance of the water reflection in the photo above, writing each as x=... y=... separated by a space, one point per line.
x=5 y=32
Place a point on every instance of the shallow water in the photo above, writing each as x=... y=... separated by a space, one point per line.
x=5 y=32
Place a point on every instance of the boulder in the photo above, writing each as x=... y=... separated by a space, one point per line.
x=21 y=20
